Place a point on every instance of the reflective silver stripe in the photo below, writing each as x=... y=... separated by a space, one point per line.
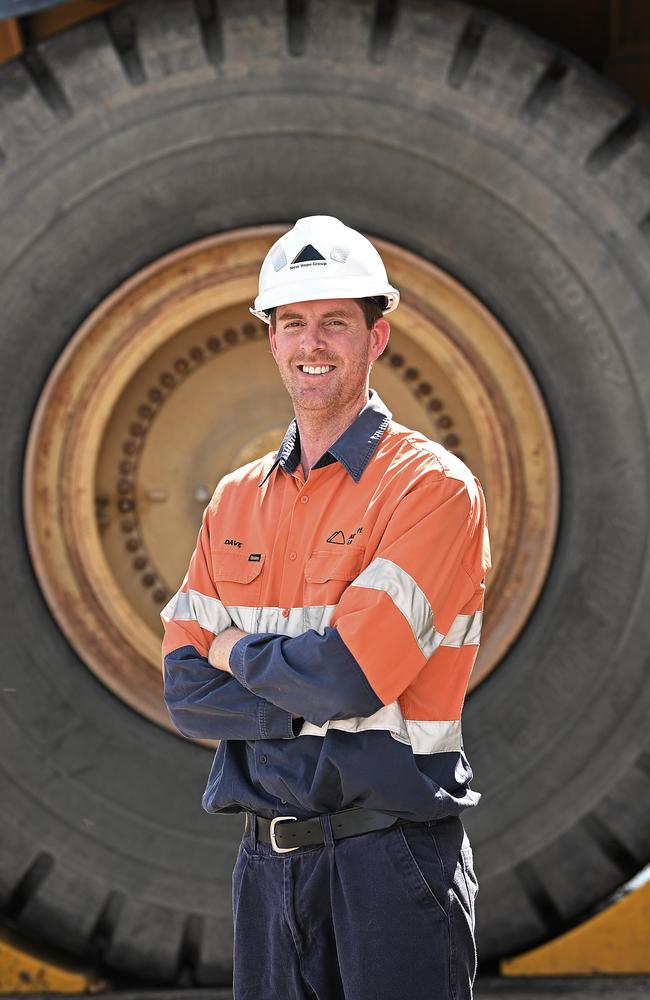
x=382 y=574
x=243 y=618
x=211 y=614
x=388 y=717
x=422 y=737
x=192 y=606
x=318 y=617
x=435 y=737
x=465 y=630
x=298 y=620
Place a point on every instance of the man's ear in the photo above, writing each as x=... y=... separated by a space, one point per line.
x=272 y=340
x=379 y=338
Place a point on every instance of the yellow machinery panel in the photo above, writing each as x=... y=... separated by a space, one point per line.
x=614 y=942
x=23 y=971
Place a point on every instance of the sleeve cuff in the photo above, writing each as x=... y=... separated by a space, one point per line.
x=273 y=722
x=236 y=658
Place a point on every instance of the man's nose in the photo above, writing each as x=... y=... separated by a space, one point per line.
x=313 y=335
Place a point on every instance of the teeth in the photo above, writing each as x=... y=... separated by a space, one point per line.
x=316 y=369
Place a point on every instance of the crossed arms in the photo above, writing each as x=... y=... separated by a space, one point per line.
x=426 y=575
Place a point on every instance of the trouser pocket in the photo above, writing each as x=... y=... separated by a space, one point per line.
x=439 y=875
x=426 y=878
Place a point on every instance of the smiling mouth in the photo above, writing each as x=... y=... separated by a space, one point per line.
x=316 y=369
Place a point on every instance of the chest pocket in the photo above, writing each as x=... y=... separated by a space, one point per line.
x=239 y=582
x=328 y=573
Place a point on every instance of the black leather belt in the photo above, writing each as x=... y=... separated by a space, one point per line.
x=286 y=833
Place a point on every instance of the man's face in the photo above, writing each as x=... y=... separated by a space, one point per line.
x=331 y=336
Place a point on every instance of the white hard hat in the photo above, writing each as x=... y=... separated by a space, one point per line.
x=320 y=258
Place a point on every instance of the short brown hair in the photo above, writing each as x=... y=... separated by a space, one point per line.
x=370 y=307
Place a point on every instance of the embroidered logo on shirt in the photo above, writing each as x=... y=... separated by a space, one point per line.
x=338 y=537
x=232 y=541
x=255 y=557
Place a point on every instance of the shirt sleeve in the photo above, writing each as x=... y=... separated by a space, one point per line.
x=419 y=601
x=204 y=702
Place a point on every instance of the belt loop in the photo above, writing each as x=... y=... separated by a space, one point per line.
x=252 y=832
x=326 y=827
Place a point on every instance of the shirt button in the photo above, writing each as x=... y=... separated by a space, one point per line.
x=285 y=612
x=263 y=758
x=293 y=556
x=304 y=499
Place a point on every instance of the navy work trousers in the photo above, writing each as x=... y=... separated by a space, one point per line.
x=387 y=915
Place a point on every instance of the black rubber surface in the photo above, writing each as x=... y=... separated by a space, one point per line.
x=470 y=142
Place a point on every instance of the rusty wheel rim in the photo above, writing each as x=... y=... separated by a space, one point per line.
x=169 y=384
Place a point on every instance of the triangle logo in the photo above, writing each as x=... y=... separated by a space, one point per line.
x=307 y=253
x=337 y=538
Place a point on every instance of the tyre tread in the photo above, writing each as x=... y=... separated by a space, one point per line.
x=467 y=50
x=29 y=884
x=540 y=898
x=109 y=917
x=612 y=847
x=297 y=26
x=545 y=88
x=214 y=959
x=171 y=39
x=146 y=941
x=642 y=762
x=340 y=33
x=122 y=33
x=46 y=84
x=209 y=20
x=25 y=118
x=383 y=29
x=617 y=141
x=190 y=950
x=86 y=65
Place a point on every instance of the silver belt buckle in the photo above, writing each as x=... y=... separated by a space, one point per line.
x=274 y=843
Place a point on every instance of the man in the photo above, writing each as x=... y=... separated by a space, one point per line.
x=325 y=633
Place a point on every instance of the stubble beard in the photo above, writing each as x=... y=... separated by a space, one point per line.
x=345 y=390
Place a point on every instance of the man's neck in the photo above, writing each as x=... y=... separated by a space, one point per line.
x=318 y=431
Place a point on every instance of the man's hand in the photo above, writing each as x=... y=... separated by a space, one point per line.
x=219 y=653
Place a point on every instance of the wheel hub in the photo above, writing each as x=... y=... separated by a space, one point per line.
x=170 y=384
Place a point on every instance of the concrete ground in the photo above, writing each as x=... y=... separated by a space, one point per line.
x=493 y=988
x=612 y=987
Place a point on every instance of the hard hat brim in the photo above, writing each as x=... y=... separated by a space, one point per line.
x=324 y=289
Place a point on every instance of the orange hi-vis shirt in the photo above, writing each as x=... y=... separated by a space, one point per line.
x=361 y=592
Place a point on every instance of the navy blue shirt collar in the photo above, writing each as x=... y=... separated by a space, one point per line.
x=353 y=449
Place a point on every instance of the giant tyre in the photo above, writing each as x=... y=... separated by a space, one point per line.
x=472 y=144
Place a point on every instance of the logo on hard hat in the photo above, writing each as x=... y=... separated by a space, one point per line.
x=308 y=255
